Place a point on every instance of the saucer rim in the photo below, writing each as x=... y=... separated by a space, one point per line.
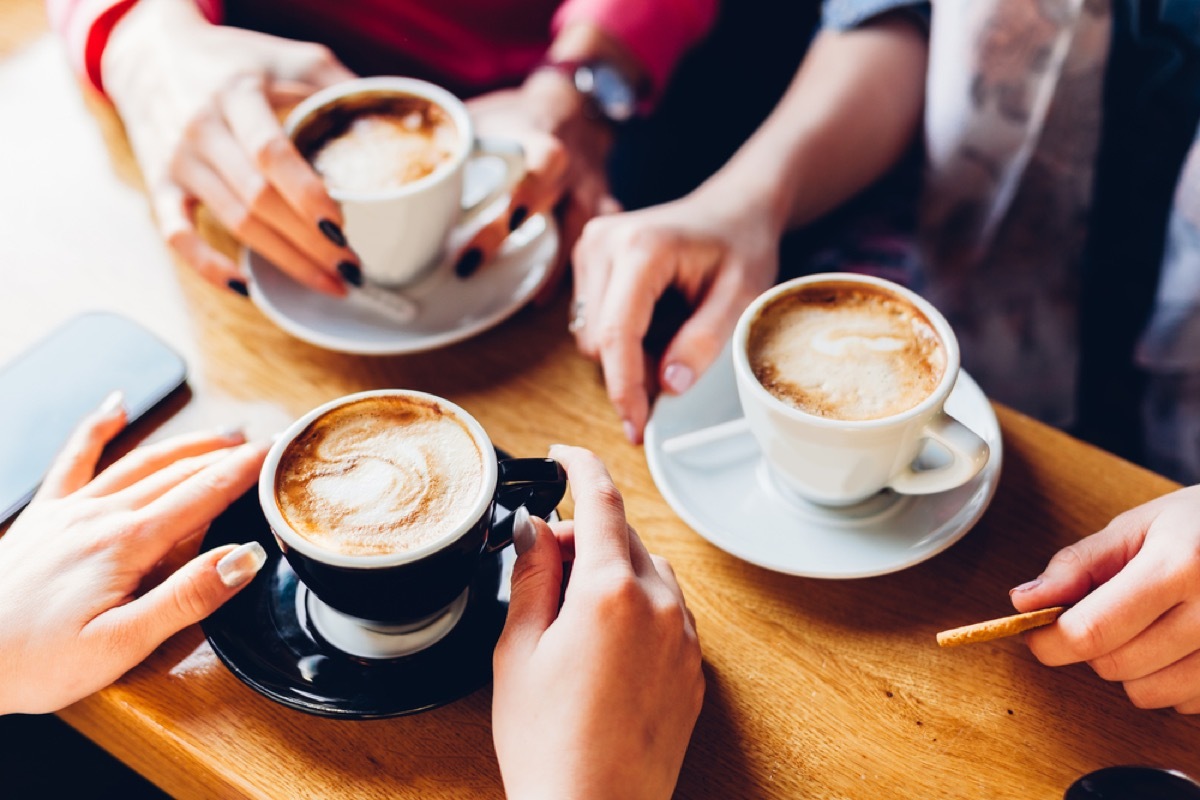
x=420 y=344
x=988 y=480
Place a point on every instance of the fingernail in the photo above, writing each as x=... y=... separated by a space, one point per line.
x=332 y=232
x=630 y=431
x=112 y=402
x=233 y=433
x=276 y=437
x=350 y=271
x=519 y=215
x=238 y=285
x=678 y=377
x=1025 y=587
x=524 y=534
x=242 y=564
x=468 y=263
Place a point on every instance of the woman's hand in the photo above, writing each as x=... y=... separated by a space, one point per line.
x=1136 y=591
x=598 y=697
x=718 y=253
x=78 y=608
x=201 y=104
x=565 y=155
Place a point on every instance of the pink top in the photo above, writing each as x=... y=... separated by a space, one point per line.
x=467 y=45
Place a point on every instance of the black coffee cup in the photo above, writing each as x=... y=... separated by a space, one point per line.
x=409 y=587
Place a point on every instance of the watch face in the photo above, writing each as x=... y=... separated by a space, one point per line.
x=608 y=89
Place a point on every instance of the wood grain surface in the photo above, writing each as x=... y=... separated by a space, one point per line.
x=817 y=689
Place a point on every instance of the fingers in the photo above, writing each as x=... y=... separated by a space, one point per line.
x=1172 y=637
x=257 y=129
x=199 y=588
x=702 y=337
x=638 y=279
x=145 y=461
x=536 y=583
x=1111 y=615
x=536 y=193
x=75 y=465
x=1177 y=685
x=601 y=532
x=175 y=220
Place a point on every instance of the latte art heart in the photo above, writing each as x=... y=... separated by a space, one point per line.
x=378 y=476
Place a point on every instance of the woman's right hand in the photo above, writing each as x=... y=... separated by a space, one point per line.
x=201 y=105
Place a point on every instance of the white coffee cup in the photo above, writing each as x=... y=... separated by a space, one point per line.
x=399 y=233
x=839 y=462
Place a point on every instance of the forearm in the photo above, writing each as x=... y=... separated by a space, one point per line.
x=849 y=115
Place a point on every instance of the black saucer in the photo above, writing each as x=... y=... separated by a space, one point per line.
x=271 y=647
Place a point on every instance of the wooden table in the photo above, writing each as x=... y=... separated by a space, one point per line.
x=815 y=688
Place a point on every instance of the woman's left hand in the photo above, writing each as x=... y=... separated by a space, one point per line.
x=1136 y=591
x=80 y=604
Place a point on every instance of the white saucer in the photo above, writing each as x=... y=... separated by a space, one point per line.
x=721 y=490
x=450 y=308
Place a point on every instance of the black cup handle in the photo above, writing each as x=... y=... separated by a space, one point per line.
x=536 y=483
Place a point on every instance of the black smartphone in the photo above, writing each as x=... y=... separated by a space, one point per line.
x=48 y=389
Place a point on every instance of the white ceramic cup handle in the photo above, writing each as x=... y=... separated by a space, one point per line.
x=968 y=454
x=512 y=154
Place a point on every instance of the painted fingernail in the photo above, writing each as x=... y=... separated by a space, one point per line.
x=350 y=271
x=468 y=263
x=678 y=377
x=112 y=402
x=332 y=232
x=233 y=433
x=238 y=285
x=519 y=215
x=1025 y=587
x=630 y=431
x=524 y=534
x=242 y=564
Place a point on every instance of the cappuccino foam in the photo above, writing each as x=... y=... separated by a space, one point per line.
x=380 y=475
x=846 y=351
x=385 y=147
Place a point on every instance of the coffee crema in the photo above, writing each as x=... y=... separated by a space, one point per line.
x=376 y=142
x=845 y=351
x=380 y=475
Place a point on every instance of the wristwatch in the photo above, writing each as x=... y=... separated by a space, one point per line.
x=607 y=93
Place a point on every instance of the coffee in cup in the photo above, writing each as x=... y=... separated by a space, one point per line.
x=392 y=152
x=381 y=475
x=842 y=379
x=384 y=503
x=848 y=351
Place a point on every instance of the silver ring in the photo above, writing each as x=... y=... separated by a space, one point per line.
x=576 y=319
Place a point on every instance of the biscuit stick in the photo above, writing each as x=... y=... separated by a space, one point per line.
x=999 y=628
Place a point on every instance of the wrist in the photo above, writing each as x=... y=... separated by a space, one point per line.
x=147 y=29
x=553 y=101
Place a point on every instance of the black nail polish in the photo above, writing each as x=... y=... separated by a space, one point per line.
x=350 y=271
x=332 y=232
x=238 y=286
x=519 y=215
x=469 y=262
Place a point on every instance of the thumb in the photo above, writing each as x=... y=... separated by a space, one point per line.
x=700 y=340
x=1076 y=570
x=536 y=582
x=189 y=595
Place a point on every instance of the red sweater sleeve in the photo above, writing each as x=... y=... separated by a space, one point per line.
x=657 y=32
x=85 y=25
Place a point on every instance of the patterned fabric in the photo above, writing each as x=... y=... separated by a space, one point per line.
x=1014 y=115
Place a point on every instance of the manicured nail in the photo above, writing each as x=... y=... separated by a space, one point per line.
x=468 y=263
x=332 y=232
x=350 y=271
x=112 y=402
x=630 y=431
x=1025 y=587
x=678 y=377
x=519 y=215
x=242 y=564
x=238 y=285
x=524 y=534
x=233 y=433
